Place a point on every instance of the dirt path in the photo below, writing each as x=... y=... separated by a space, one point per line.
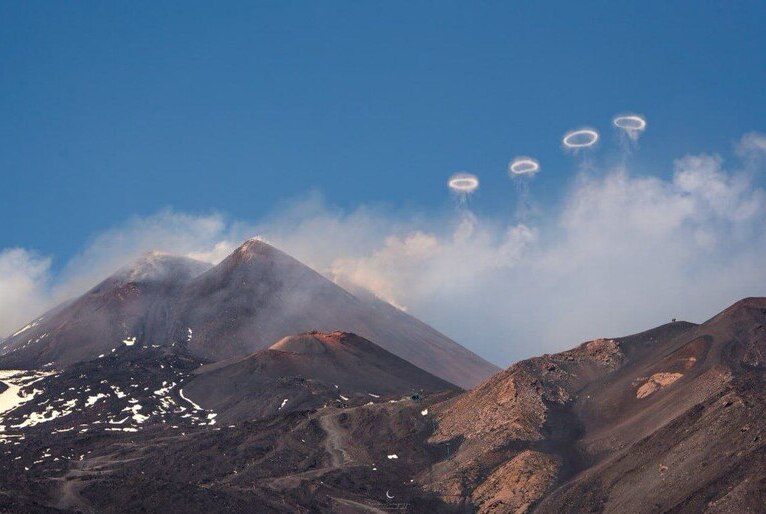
x=77 y=477
x=334 y=442
x=356 y=507
x=69 y=495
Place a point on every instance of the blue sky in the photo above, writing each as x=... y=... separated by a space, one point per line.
x=332 y=128
x=115 y=109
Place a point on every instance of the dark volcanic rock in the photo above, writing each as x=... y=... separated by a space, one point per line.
x=81 y=445
x=305 y=372
x=668 y=420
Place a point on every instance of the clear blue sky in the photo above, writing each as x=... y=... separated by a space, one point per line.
x=110 y=109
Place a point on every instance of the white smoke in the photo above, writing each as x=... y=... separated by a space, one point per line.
x=24 y=278
x=622 y=253
x=27 y=288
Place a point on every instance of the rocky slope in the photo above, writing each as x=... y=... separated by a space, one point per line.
x=131 y=305
x=306 y=372
x=667 y=420
x=124 y=432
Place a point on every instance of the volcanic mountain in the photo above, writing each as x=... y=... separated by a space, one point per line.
x=305 y=372
x=255 y=296
x=132 y=304
x=667 y=420
x=260 y=294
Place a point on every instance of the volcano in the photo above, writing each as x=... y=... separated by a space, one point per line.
x=308 y=371
x=254 y=297
x=666 y=420
x=134 y=303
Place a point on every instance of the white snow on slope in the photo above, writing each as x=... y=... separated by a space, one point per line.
x=15 y=380
x=91 y=401
x=27 y=327
x=196 y=407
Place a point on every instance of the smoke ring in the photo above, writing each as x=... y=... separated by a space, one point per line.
x=581 y=138
x=631 y=122
x=524 y=166
x=463 y=183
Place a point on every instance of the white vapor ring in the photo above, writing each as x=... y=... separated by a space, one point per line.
x=589 y=138
x=463 y=183
x=524 y=166
x=630 y=122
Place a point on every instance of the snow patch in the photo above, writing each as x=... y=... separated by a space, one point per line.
x=196 y=407
x=165 y=389
x=16 y=380
x=27 y=327
x=138 y=418
x=91 y=401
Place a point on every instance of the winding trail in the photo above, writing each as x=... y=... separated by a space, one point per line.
x=333 y=443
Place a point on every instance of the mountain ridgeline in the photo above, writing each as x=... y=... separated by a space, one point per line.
x=254 y=297
x=259 y=386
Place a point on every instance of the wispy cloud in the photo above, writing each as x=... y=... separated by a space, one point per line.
x=24 y=279
x=622 y=253
x=27 y=287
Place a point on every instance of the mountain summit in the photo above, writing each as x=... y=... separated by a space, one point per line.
x=255 y=296
x=131 y=303
x=259 y=294
x=159 y=266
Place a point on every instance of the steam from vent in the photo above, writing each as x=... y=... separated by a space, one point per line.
x=24 y=280
x=632 y=125
x=580 y=139
x=462 y=185
x=620 y=252
x=523 y=166
x=522 y=169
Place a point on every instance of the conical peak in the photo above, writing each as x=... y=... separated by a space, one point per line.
x=254 y=247
x=313 y=342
